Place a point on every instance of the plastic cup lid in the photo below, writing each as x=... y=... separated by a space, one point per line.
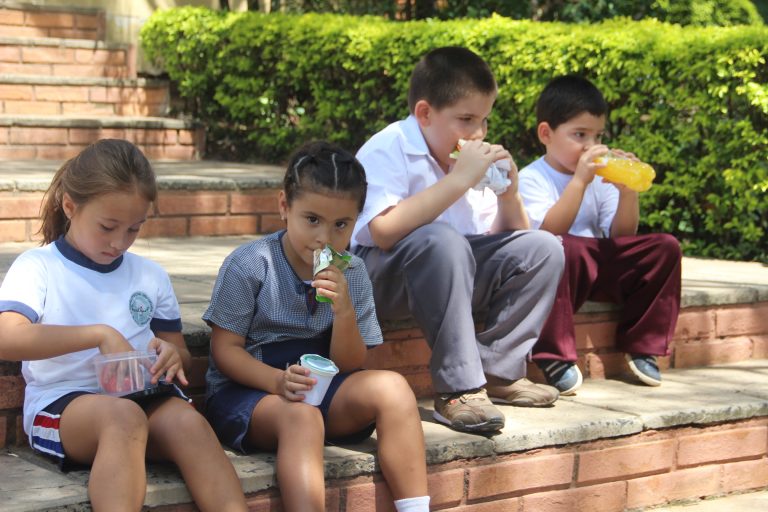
x=319 y=364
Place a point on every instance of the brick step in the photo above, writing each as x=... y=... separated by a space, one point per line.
x=64 y=57
x=61 y=137
x=44 y=95
x=26 y=20
x=613 y=447
x=708 y=335
x=196 y=198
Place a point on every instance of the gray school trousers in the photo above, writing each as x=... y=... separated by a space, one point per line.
x=440 y=277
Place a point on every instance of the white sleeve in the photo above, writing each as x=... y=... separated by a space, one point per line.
x=388 y=184
x=167 y=303
x=25 y=286
x=537 y=195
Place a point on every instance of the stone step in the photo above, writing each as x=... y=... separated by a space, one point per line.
x=197 y=198
x=18 y=19
x=62 y=137
x=47 y=95
x=613 y=447
x=723 y=319
x=65 y=57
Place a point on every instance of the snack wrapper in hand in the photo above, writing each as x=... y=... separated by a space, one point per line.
x=496 y=177
x=324 y=258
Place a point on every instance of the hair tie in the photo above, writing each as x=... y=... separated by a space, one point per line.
x=335 y=171
x=296 y=167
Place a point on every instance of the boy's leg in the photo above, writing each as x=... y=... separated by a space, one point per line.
x=515 y=282
x=110 y=434
x=582 y=261
x=385 y=398
x=178 y=433
x=429 y=275
x=644 y=275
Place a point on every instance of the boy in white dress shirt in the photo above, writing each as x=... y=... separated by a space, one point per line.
x=438 y=250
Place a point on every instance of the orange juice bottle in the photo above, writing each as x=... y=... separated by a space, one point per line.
x=636 y=175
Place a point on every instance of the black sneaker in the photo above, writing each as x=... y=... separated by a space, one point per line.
x=564 y=375
x=645 y=368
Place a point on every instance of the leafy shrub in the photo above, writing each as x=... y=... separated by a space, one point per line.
x=692 y=101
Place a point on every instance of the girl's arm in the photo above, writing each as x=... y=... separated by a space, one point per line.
x=347 y=347
x=231 y=358
x=21 y=340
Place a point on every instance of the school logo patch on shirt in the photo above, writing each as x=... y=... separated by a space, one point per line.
x=141 y=308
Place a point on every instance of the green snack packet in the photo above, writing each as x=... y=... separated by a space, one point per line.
x=325 y=257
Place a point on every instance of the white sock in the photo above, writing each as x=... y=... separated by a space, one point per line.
x=418 y=504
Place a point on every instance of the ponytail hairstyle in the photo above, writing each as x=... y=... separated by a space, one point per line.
x=325 y=168
x=106 y=166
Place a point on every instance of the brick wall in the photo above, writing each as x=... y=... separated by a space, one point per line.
x=20 y=23
x=176 y=213
x=628 y=473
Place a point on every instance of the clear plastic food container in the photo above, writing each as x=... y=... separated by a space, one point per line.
x=124 y=372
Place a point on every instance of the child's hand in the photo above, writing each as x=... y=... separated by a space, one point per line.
x=112 y=341
x=168 y=362
x=586 y=166
x=625 y=154
x=623 y=189
x=330 y=282
x=294 y=379
x=505 y=161
x=474 y=159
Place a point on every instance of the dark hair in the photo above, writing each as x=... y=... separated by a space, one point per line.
x=446 y=75
x=104 y=167
x=566 y=97
x=324 y=167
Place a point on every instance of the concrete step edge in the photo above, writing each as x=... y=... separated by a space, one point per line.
x=96 y=122
x=25 y=6
x=59 y=42
x=85 y=81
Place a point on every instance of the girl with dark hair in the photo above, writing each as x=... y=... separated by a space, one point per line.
x=265 y=314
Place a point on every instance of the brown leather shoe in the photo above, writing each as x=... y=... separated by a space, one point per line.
x=468 y=411
x=521 y=393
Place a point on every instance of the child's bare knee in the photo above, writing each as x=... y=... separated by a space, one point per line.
x=393 y=391
x=127 y=416
x=302 y=418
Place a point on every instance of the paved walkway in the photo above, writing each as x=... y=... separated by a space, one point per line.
x=35 y=175
x=750 y=502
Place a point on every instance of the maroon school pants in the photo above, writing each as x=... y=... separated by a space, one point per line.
x=642 y=273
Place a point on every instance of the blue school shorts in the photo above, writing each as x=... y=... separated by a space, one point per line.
x=229 y=410
x=45 y=437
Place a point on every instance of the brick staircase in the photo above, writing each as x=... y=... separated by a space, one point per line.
x=62 y=87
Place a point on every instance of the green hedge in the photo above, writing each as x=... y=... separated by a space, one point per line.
x=691 y=101
x=684 y=12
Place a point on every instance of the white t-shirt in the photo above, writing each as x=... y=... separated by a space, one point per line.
x=58 y=285
x=398 y=165
x=541 y=186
